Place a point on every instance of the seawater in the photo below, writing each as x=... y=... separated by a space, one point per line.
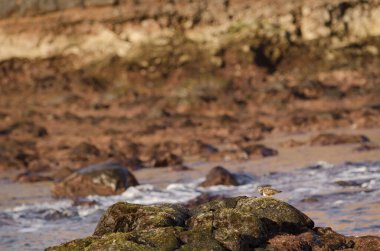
x=345 y=197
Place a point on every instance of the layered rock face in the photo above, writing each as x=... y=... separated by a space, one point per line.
x=232 y=224
x=265 y=30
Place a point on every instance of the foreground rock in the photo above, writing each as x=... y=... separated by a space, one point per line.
x=240 y=223
x=107 y=178
x=219 y=176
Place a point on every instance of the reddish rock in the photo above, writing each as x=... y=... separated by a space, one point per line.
x=321 y=239
x=336 y=139
x=104 y=179
x=219 y=176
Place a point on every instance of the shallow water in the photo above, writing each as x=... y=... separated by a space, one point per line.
x=345 y=197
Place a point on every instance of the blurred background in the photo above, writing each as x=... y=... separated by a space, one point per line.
x=170 y=89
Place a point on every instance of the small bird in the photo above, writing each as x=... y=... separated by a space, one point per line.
x=267 y=191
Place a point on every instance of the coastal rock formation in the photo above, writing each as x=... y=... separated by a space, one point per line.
x=219 y=176
x=240 y=223
x=107 y=178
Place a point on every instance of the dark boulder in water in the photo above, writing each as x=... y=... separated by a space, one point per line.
x=219 y=176
x=107 y=178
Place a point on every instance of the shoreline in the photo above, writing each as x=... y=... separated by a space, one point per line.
x=289 y=159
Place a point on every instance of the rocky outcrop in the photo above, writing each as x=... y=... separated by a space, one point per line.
x=231 y=224
x=209 y=34
x=107 y=178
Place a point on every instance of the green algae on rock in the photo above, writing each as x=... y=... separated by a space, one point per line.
x=231 y=224
x=239 y=223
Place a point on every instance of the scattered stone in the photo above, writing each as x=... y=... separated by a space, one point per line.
x=293 y=143
x=84 y=202
x=39 y=165
x=104 y=179
x=350 y=183
x=260 y=150
x=166 y=159
x=179 y=168
x=61 y=173
x=31 y=177
x=219 y=176
x=15 y=154
x=311 y=199
x=25 y=127
x=84 y=151
x=336 y=139
x=367 y=147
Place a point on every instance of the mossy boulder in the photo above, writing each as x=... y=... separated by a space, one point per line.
x=126 y=217
x=240 y=223
x=150 y=240
x=277 y=215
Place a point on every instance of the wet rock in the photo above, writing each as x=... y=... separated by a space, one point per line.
x=293 y=143
x=39 y=165
x=62 y=173
x=350 y=183
x=126 y=217
x=25 y=127
x=336 y=139
x=311 y=199
x=240 y=223
x=367 y=147
x=179 y=168
x=84 y=202
x=84 y=151
x=15 y=154
x=219 y=176
x=309 y=90
x=31 y=177
x=260 y=150
x=107 y=178
x=166 y=159
x=230 y=224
